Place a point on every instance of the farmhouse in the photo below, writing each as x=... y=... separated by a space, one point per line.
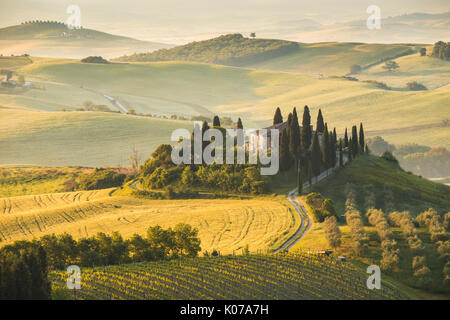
x=259 y=137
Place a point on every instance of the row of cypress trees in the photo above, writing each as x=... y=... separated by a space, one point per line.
x=301 y=148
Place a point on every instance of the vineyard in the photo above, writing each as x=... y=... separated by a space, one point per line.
x=298 y=275
x=227 y=225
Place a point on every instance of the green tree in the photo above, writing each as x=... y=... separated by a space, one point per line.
x=239 y=124
x=320 y=125
x=277 y=118
x=345 y=139
x=216 y=121
x=361 y=137
x=316 y=156
x=285 y=155
x=326 y=148
x=391 y=66
x=306 y=134
x=294 y=136
x=355 y=144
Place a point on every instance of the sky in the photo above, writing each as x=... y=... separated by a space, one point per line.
x=181 y=21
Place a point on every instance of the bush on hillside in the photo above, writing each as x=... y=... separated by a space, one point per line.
x=100 y=179
x=94 y=59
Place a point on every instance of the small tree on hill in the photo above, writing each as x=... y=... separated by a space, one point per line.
x=391 y=66
x=253 y=35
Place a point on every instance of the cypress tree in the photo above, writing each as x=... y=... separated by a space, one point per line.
x=306 y=134
x=355 y=140
x=285 y=157
x=350 y=150
x=316 y=156
x=320 y=126
x=277 y=118
x=299 y=177
x=310 y=173
x=216 y=121
x=294 y=136
x=341 y=157
x=239 y=124
x=361 y=137
x=345 y=139
x=331 y=150
x=325 y=148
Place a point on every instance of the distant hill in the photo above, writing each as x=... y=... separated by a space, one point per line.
x=231 y=49
x=55 y=39
x=408 y=28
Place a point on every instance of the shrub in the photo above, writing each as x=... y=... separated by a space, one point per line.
x=100 y=179
x=415 y=86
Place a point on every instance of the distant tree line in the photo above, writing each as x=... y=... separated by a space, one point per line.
x=60 y=251
x=419 y=159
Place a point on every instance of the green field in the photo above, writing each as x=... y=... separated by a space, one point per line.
x=189 y=89
x=298 y=276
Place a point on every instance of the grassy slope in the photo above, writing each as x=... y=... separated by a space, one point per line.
x=332 y=58
x=433 y=73
x=192 y=89
x=262 y=223
x=22 y=180
x=411 y=193
x=79 y=138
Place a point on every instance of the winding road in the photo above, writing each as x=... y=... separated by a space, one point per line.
x=306 y=221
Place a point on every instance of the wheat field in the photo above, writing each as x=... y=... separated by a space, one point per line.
x=227 y=225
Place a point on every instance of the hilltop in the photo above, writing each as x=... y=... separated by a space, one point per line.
x=55 y=39
x=231 y=49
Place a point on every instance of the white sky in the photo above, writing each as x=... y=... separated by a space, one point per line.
x=181 y=21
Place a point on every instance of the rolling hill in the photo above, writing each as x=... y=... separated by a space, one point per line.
x=33 y=118
x=54 y=39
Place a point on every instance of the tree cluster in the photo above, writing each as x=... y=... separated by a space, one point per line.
x=101 y=249
x=354 y=220
x=441 y=50
x=390 y=256
x=24 y=273
x=332 y=232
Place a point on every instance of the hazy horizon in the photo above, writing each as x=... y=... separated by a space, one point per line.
x=179 y=22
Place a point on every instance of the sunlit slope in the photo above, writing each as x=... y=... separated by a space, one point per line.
x=333 y=58
x=225 y=225
x=93 y=139
x=431 y=72
x=79 y=138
